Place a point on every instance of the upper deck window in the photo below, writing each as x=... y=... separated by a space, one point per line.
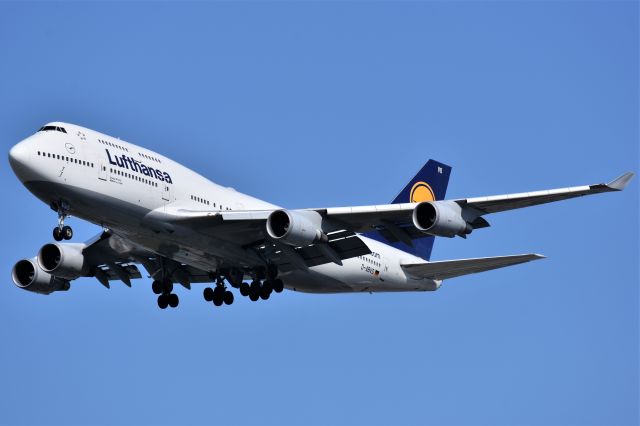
x=54 y=128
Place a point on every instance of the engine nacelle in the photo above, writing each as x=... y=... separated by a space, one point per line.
x=28 y=275
x=441 y=218
x=62 y=260
x=296 y=228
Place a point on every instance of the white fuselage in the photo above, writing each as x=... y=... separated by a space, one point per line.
x=119 y=186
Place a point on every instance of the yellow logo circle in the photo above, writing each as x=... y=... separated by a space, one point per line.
x=421 y=191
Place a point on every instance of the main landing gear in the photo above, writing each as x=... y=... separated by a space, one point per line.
x=166 y=298
x=62 y=232
x=218 y=295
x=262 y=289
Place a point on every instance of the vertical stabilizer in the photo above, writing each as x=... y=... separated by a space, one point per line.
x=429 y=184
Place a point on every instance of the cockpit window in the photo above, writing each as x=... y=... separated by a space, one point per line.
x=54 y=128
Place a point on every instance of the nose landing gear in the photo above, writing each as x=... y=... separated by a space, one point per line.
x=62 y=232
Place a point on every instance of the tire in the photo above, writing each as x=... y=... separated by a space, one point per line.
x=244 y=289
x=57 y=234
x=67 y=232
x=173 y=300
x=156 y=287
x=265 y=293
x=228 y=298
x=167 y=286
x=268 y=286
x=278 y=285
x=208 y=294
x=162 y=301
x=218 y=298
x=254 y=296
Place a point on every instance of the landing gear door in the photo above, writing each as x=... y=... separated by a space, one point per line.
x=102 y=170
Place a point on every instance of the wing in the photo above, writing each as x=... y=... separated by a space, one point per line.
x=246 y=228
x=110 y=257
x=501 y=203
x=394 y=221
x=363 y=218
x=443 y=270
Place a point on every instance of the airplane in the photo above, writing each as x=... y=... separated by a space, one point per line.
x=185 y=229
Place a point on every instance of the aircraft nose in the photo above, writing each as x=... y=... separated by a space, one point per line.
x=19 y=159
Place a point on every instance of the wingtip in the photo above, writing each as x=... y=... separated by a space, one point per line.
x=537 y=256
x=621 y=182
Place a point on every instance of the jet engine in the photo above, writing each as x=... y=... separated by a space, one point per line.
x=62 y=260
x=296 y=228
x=441 y=218
x=28 y=275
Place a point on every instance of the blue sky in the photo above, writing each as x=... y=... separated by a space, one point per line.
x=329 y=104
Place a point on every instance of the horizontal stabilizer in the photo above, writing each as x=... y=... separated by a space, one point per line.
x=445 y=269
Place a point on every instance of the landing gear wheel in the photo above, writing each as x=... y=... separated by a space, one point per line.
x=218 y=296
x=278 y=285
x=208 y=294
x=244 y=289
x=254 y=291
x=67 y=232
x=156 y=287
x=57 y=233
x=264 y=293
x=228 y=297
x=173 y=300
x=167 y=287
x=163 y=301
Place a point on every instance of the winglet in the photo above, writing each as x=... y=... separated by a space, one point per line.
x=621 y=182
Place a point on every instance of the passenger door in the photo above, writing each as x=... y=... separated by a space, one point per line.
x=166 y=191
x=102 y=170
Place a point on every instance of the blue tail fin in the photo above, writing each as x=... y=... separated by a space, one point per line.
x=429 y=184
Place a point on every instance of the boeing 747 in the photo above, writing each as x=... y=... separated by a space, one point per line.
x=185 y=229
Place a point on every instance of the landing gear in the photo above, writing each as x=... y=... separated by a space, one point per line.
x=173 y=300
x=244 y=289
x=258 y=290
x=263 y=285
x=218 y=295
x=254 y=291
x=265 y=291
x=278 y=285
x=165 y=300
x=208 y=294
x=166 y=297
x=62 y=232
x=228 y=298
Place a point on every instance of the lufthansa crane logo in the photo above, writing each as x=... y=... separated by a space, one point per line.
x=421 y=191
x=70 y=148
